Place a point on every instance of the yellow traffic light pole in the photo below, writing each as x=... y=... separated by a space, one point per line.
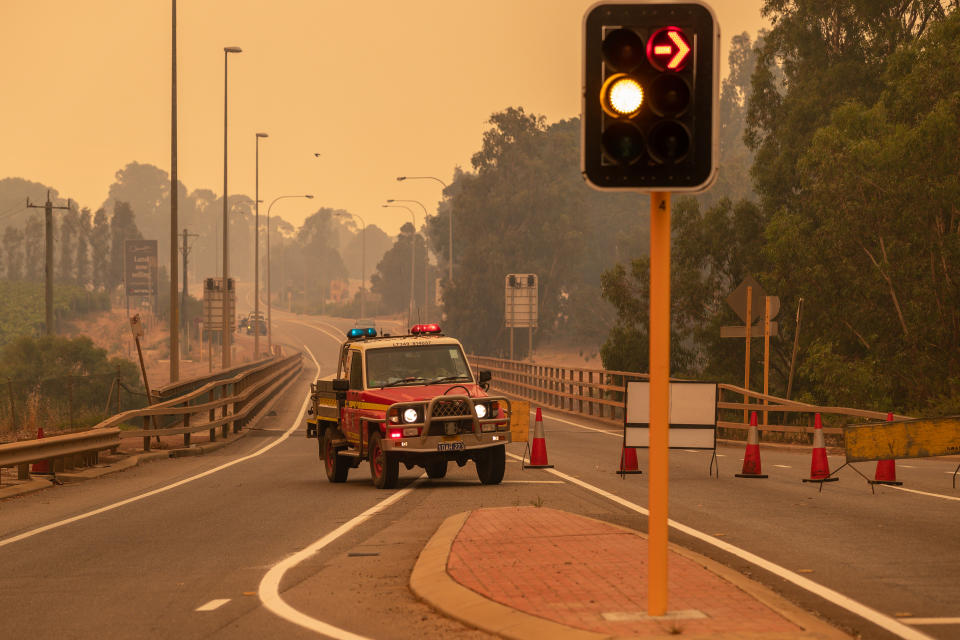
x=659 y=401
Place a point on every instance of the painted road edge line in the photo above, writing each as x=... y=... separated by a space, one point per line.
x=574 y=424
x=834 y=597
x=164 y=489
x=213 y=605
x=269 y=589
x=925 y=493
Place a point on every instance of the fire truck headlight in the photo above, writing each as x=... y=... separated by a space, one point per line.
x=410 y=415
x=481 y=410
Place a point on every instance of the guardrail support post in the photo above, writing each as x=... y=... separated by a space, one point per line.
x=186 y=436
x=225 y=427
x=213 y=416
x=23 y=471
x=146 y=439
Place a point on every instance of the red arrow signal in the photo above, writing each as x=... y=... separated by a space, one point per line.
x=668 y=49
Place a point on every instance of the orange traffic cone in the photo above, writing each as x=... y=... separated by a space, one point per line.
x=41 y=466
x=751 y=458
x=886 y=469
x=819 y=466
x=628 y=461
x=538 y=454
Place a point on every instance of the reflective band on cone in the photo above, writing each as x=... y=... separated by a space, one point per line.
x=819 y=466
x=751 y=458
x=628 y=461
x=886 y=469
x=538 y=452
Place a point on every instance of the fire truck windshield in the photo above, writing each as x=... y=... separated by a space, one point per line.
x=396 y=366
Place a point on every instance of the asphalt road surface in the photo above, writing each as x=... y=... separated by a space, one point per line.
x=252 y=541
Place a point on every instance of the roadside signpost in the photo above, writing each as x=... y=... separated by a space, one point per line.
x=214 y=300
x=521 y=305
x=747 y=300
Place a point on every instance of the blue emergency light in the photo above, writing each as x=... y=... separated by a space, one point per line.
x=369 y=332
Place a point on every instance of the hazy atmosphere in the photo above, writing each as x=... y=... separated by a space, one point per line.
x=380 y=89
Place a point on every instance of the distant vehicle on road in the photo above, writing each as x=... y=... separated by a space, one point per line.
x=252 y=322
x=409 y=399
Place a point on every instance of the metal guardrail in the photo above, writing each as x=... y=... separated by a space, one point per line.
x=222 y=403
x=599 y=395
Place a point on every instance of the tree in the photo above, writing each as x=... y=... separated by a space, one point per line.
x=84 y=227
x=391 y=281
x=13 y=253
x=67 y=250
x=525 y=209
x=33 y=249
x=100 y=250
x=123 y=226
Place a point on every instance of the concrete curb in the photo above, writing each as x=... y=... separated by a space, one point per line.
x=432 y=584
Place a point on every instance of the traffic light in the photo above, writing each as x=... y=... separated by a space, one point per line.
x=650 y=78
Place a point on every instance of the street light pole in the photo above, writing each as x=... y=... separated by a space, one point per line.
x=225 y=356
x=413 y=255
x=256 y=254
x=363 y=260
x=269 y=299
x=401 y=179
x=174 y=193
x=426 y=281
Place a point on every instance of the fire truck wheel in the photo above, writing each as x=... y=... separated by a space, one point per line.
x=436 y=469
x=490 y=465
x=384 y=469
x=335 y=466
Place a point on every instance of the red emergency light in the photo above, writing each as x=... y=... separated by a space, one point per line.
x=419 y=329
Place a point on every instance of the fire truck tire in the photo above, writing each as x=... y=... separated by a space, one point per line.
x=436 y=469
x=384 y=469
x=491 y=464
x=335 y=466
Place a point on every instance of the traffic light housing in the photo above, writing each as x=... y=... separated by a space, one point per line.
x=650 y=83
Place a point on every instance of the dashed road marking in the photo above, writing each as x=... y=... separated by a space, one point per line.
x=930 y=620
x=783 y=466
x=924 y=493
x=213 y=605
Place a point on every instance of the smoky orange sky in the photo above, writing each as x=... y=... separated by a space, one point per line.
x=378 y=88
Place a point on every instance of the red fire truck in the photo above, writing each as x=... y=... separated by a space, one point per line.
x=408 y=399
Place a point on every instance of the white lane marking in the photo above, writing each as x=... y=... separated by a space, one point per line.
x=179 y=483
x=615 y=435
x=213 y=605
x=783 y=466
x=531 y=481
x=930 y=620
x=905 y=466
x=835 y=597
x=269 y=590
x=339 y=338
x=924 y=493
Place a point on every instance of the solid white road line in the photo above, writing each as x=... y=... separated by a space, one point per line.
x=180 y=483
x=531 y=482
x=930 y=620
x=213 y=604
x=269 y=590
x=835 y=597
x=924 y=493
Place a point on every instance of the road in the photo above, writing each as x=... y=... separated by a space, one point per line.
x=206 y=547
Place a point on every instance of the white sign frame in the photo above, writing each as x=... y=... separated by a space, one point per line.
x=692 y=417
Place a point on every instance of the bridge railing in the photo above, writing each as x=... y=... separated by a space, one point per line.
x=223 y=402
x=599 y=394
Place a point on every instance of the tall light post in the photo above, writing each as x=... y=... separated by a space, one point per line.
x=174 y=192
x=256 y=254
x=401 y=179
x=426 y=274
x=363 y=259
x=225 y=356
x=413 y=255
x=269 y=302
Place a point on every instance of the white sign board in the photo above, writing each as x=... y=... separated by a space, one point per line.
x=521 y=302
x=693 y=415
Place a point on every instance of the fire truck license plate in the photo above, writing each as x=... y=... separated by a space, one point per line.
x=449 y=446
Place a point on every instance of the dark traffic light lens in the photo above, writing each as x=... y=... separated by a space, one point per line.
x=623 y=50
x=623 y=143
x=669 y=142
x=669 y=95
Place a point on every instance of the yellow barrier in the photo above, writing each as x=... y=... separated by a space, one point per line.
x=907 y=439
x=520 y=421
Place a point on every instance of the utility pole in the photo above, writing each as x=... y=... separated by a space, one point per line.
x=48 y=257
x=185 y=250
